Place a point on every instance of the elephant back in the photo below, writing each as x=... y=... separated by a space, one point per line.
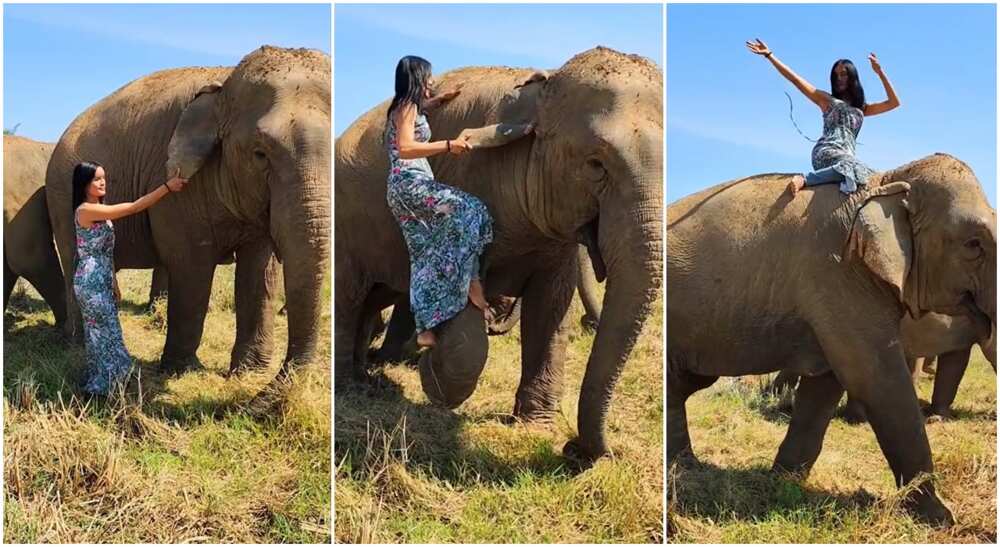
x=24 y=164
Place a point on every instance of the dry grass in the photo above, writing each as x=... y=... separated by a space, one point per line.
x=169 y=460
x=407 y=471
x=850 y=497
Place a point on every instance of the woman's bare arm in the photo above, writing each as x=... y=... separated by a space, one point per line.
x=889 y=104
x=411 y=149
x=89 y=213
x=820 y=98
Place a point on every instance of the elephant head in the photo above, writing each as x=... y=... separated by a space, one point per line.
x=935 y=245
x=594 y=175
x=268 y=125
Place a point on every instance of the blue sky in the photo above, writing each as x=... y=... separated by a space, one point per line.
x=370 y=39
x=61 y=58
x=727 y=115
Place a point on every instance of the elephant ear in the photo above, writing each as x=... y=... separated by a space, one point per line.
x=881 y=236
x=196 y=134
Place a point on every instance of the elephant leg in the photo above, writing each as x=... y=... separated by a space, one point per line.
x=73 y=326
x=9 y=280
x=816 y=400
x=874 y=372
x=681 y=385
x=930 y=364
x=348 y=306
x=854 y=411
x=256 y=278
x=546 y=300
x=400 y=330
x=47 y=280
x=950 y=370
x=159 y=285
x=187 y=304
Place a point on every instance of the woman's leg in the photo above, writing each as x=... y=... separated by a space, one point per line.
x=826 y=175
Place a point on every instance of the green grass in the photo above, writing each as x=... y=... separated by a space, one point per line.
x=407 y=471
x=850 y=496
x=173 y=460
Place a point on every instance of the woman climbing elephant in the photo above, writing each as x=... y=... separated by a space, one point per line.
x=108 y=362
x=844 y=109
x=446 y=229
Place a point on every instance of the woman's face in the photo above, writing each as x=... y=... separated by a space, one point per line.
x=96 y=188
x=840 y=77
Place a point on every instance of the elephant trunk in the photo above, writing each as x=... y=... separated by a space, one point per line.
x=630 y=238
x=300 y=227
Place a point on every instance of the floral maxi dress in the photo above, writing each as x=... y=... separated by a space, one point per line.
x=835 y=149
x=446 y=231
x=108 y=362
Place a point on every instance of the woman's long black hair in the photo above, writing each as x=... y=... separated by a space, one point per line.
x=854 y=94
x=83 y=175
x=412 y=73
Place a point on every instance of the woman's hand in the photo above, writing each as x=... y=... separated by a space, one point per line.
x=460 y=146
x=759 y=47
x=176 y=184
x=875 y=64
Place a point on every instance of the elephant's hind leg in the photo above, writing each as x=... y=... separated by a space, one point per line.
x=950 y=370
x=681 y=384
x=9 y=280
x=256 y=278
x=816 y=400
x=543 y=344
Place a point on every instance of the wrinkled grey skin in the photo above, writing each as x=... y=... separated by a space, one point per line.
x=28 y=250
x=591 y=172
x=944 y=338
x=254 y=140
x=818 y=284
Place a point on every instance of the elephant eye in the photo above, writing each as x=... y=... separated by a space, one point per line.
x=973 y=248
x=259 y=154
x=595 y=170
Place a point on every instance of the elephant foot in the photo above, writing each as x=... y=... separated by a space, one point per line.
x=937 y=415
x=581 y=455
x=929 y=509
x=855 y=414
x=797 y=471
x=532 y=412
x=249 y=363
x=176 y=366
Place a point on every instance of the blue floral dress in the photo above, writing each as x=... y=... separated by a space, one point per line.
x=835 y=149
x=446 y=231
x=108 y=362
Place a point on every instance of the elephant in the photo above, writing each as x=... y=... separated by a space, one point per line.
x=590 y=173
x=817 y=283
x=506 y=313
x=945 y=338
x=254 y=142
x=28 y=249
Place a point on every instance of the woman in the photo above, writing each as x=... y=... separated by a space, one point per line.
x=108 y=361
x=445 y=228
x=843 y=113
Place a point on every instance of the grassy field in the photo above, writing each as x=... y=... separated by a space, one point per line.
x=172 y=461
x=407 y=471
x=850 y=497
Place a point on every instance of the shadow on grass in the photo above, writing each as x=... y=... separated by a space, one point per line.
x=428 y=438
x=706 y=491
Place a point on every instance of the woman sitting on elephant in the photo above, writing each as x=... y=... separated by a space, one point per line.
x=844 y=110
x=108 y=361
x=446 y=229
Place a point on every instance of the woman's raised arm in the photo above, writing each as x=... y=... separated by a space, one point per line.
x=820 y=98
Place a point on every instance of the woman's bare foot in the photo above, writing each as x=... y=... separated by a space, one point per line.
x=477 y=296
x=798 y=182
x=426 y=339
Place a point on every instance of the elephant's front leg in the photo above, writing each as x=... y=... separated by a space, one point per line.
x=159 y=285
x=256 y=277
x=187 y=303
x=816 y=400
x=546 y=300
x=873 y=370
x=950 y=370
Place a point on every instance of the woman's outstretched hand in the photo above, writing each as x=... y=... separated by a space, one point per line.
x=176 y=184
x=875 y=64
x=460 y=146
x=759 y=47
